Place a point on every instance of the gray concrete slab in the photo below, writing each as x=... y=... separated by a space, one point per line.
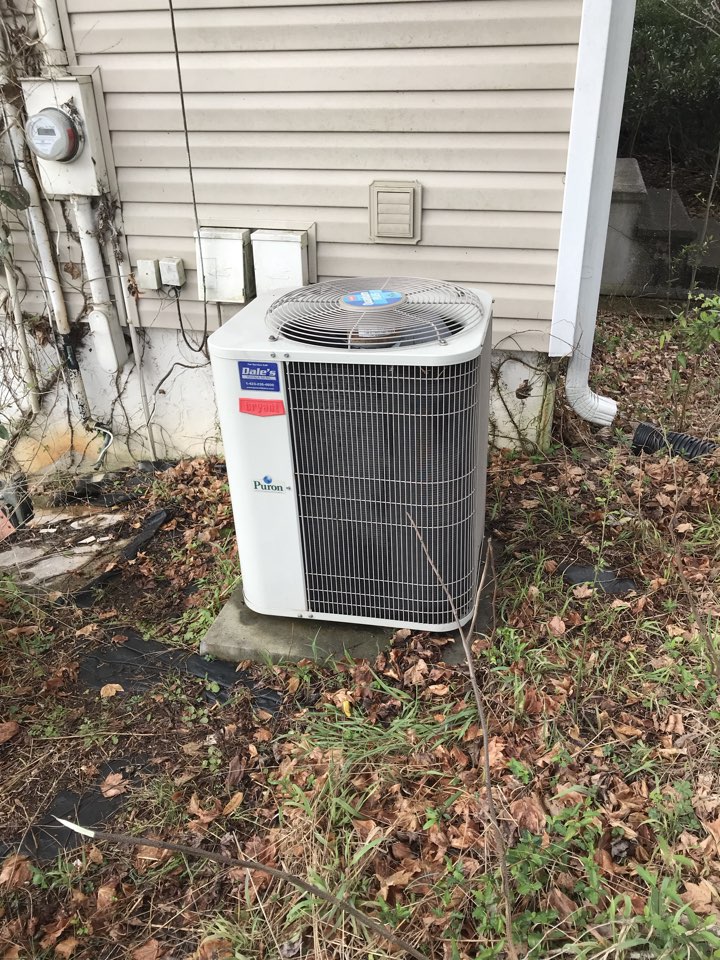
x=664 y=214
x=628 y=183
x=239 y=633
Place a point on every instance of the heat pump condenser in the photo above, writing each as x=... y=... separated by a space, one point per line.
x=349 y=408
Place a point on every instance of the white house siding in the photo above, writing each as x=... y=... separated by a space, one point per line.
x=294 y=108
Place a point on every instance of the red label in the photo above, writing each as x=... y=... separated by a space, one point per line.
x=262 y=408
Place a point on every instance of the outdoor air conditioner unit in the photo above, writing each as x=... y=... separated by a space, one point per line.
x=349 y=408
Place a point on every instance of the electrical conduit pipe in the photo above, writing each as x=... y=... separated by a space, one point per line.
x=50 y=35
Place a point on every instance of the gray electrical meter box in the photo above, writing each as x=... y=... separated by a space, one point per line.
x=63 y=133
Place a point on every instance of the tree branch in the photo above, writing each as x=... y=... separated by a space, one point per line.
x=466 y=636
x=127 y=840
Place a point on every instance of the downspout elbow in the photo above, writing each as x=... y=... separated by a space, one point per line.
x=583 y=400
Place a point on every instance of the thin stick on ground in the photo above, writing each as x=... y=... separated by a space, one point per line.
x=127 y=840
x=466 y=636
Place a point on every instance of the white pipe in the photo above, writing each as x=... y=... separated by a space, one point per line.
x=603 y=57
x=50 y=33
x=27 y=369
x=107 y=335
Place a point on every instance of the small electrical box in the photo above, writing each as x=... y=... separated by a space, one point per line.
x=62 y=131
x=172 y=271
x=147 y=275
x=224 y=265
x=280 y=258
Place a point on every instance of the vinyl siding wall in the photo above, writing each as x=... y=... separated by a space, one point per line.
x=294 y=108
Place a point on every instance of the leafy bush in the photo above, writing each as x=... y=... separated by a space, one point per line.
x=673 y=89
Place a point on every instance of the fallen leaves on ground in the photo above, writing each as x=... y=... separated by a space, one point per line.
x=8 y=730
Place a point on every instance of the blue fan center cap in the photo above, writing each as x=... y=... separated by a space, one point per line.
x=365 y=299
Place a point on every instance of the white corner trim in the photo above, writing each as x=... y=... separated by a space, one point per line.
x=603 y=54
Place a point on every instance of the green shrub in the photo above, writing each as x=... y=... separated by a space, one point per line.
x=673 y=89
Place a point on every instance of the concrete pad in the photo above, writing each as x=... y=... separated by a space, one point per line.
x=241 y=634
x=18 y=556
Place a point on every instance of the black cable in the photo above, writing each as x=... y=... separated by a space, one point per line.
x=192 y=190
x=174 y=294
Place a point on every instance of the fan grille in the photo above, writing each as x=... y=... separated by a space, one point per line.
x=374 y=313
x=373 y=446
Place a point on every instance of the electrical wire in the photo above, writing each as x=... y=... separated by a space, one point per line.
x=174 y=294
x=192 y=191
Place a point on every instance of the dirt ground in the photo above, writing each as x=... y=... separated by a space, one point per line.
x=366 y=778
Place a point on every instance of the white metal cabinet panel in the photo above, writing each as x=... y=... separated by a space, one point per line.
x=513 y=152
x=483 y=111
x=453 y=23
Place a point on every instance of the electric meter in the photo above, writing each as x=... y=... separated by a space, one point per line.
x=53 y=134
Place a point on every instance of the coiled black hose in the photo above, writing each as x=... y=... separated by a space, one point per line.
x=650 y=439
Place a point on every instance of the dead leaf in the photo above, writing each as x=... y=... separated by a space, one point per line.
x=148 y=951
x=529 y=504
x=15 y=871
x=203 y=815
x=12 y=952
x=561 y=903
x=233 y=803
x=66 y=947
x=119 y=638
x=113 y=785
x=72 y=269
x=416 y=674
x=496 y=752
x=110 y=689
x=684 y=528
x=87 y=630
x=556 y=627
x=215 y=948
x=105 y=896
x=627 y=730
x=8 y=730
x=700 y=896
x=528 y=814
x=53 y=931
x=583 y=591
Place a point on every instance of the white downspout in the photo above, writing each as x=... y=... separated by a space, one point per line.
x=603 y=57
x=108 y=340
